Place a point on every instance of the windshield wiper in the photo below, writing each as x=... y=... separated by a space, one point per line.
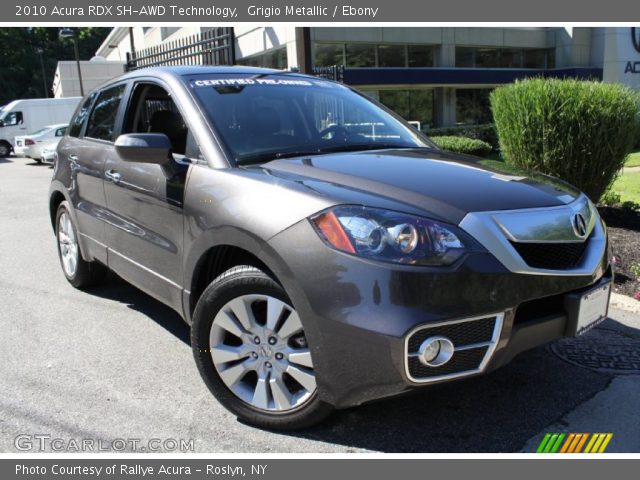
x=354 y=147
x=264 y=157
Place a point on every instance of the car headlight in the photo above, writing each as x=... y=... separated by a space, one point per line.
x=391 y=236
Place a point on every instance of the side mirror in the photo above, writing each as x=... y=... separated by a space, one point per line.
x=144 y=148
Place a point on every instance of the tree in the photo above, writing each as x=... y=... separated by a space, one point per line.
x=20 y=69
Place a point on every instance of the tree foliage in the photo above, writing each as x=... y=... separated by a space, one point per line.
x=20 y=68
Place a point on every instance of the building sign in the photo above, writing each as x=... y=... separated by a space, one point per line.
x=634 y=66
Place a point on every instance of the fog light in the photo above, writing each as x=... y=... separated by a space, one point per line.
x=435 y=351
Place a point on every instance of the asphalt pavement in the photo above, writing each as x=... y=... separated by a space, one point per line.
x=114 y=366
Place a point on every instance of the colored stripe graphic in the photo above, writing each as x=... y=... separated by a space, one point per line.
x=574 y=443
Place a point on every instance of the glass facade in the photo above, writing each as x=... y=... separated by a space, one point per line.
x=276 y=58
x=473 y=106
x=361 y=55
x=491 y=57
x=414 y=105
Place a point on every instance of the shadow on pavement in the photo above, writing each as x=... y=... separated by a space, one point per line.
x=497 y=412
x=114 y=288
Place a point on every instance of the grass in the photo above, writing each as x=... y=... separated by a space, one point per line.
x=628 y=187
x=633 y=160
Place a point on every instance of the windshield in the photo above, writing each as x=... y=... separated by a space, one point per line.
x=264 y=117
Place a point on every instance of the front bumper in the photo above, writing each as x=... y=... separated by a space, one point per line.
x=359 y=315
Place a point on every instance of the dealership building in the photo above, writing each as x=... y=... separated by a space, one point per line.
x=438 y=76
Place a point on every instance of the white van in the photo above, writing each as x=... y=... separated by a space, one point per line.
x=22 y=117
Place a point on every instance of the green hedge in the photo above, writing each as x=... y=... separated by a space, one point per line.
x=578 y=131
x=470 y=146
x=485 y=132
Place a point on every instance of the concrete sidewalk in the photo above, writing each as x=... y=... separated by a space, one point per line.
x=616 y=409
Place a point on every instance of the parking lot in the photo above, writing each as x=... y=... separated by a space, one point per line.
x=112 y=363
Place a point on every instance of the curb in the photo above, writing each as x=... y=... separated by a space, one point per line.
x=623 y=302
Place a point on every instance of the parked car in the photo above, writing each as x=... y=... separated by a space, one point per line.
x=324 y=252
x=33 y=145
x=48 y=155
x=30 y=115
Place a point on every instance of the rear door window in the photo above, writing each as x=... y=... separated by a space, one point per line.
x=102 y=121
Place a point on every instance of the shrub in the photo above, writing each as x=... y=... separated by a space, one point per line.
x=470 y=146
x=578 y=131
x=485 y=132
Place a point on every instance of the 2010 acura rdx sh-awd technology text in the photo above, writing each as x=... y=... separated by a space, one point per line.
x=324 y=252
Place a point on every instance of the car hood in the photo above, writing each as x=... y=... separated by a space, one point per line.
x=439 y=183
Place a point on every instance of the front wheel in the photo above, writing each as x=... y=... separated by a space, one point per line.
x=252 y=352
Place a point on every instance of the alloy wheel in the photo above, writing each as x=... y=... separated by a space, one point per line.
x=67 y=244
x=260 y=352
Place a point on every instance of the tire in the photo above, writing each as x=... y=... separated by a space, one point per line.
x=5 y=149
x=225 y=347
x=77 y=271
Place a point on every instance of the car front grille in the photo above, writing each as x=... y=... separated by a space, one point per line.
x=474 y=340
x=551 y=256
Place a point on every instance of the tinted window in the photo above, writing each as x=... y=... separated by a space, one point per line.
x=154 y=111
x=391 y=55
x=61 y=131
x=75 y=127
x=102 y=121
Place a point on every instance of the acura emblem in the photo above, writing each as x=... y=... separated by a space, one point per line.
x=579 y=225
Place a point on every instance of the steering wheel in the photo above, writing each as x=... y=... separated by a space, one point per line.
x=335 y=130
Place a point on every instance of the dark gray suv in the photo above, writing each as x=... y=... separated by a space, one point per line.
x=324 y=252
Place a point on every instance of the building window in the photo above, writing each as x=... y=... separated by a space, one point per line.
x=329 y=54
x=411 y=104
x=276 y=58
x=361 y=55
x=489 y=57
x=392 y=56
x=420 y=55
x=473 y=106
x=354 y=55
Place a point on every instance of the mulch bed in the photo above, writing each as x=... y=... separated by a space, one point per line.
x=624 y=236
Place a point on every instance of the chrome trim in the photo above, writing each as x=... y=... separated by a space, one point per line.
x=546 y=225
x=496 y=230
x=497 y=329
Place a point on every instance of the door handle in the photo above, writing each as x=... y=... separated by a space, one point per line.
x=73 y=157
x=113 y=176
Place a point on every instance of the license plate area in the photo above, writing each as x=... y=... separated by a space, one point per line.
x=587 y=308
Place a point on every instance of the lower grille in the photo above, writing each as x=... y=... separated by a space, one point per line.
x=474 y=340
x=551 y=256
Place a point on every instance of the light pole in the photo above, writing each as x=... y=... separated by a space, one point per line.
x=73 y=34
x=40 y=52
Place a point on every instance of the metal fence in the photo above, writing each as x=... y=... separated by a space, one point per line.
x=335 y=72
x=209 y=47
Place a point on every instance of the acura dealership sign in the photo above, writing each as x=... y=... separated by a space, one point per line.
x=634 y=66
x=621 y=60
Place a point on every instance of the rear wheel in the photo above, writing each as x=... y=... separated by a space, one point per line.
x=252 y=352
x=77 y=271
